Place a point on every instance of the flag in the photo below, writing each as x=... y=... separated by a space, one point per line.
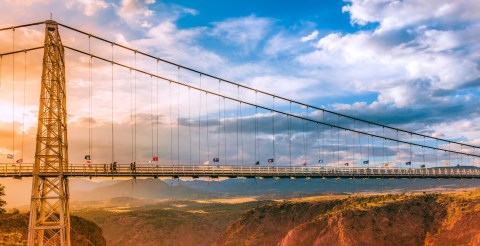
x=19 y=161
x=270 y=160
x=216 y=159
x=87 y=157
x=422 y=166
x=408 y=163
x=206 y=163
x=365 y=162
x=155 y=158
x=320 y=161
x=9 y=156
x=89 y=161
x=387 y=164
x=346 y=164
x=304 y=163
x=257 y=163
x=149 y=162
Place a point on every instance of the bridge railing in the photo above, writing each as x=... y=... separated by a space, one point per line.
x=149 y=170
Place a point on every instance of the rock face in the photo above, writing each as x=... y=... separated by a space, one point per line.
x=14 y=231
x=429 y=219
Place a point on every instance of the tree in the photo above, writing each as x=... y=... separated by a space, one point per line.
x=2 y=202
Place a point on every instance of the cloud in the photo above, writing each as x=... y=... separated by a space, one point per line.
x=310 y=37
x=245 y=32
x=392 y=14
x=412 y=64
x=132 y=10
x=89 y=7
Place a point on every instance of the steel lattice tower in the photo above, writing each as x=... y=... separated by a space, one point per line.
x=49 y=210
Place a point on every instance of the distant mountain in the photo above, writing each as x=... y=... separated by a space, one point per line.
x=254 y=187
x=269 y=188
x=141 y=188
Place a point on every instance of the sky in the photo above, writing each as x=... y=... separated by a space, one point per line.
x=412 y=64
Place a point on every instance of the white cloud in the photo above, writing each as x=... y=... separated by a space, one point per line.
x=135 y=12
x=282 y=44
x=246 y=32
x=394 y=14
x=310 y=37
x=89 y=7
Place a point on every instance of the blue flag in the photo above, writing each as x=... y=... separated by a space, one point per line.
x=365 y=162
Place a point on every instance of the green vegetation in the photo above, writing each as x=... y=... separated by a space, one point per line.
x=2 y=202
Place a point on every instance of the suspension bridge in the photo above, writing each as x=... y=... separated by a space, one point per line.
x=133 y=114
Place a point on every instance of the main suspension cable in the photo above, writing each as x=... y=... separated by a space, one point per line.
x=285 y=113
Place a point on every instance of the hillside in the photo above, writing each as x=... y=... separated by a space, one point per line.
x=179 y=223
x=14 y=230
x=399 y=219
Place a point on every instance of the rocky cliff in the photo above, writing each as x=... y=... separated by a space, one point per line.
x=399 y=219
x=14 y=230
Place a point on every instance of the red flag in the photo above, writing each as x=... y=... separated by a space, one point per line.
x=346 y=164
x=155 y=158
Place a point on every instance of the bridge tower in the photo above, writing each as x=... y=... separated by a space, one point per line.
x=49 y=210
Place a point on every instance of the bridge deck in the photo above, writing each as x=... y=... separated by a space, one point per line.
x=149 y=170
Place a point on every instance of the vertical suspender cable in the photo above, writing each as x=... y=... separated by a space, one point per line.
x=131 y=113
x=13 y=96
x=290 y=134
x=135 y=108
x=353 y=143
x=368 y=144
x=171 y=125
x=305 y=140
x=424 y=160
x=338 y=140
x=383 y=149
x=158 y=95
x=323 y=136
x=273 y=129
x=398 y=150
x=89 y=98
x=178 y=117
x=219 y=122
x=23 y=113
x=332 y=147
x=224 y=133
x=238 y=115
x=208 y=142
x=199 y=119
x=346 y=147
x=190 y=123
x=318 y=143
x=256 y=128
x=449 y=161
x=305 y=157
x=151 y=115
x=113 y=135
x=241 y=129
x=411 y=154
